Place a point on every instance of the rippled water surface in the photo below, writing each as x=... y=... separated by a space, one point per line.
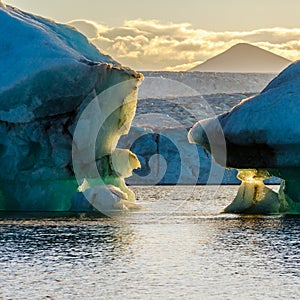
x=177 y=246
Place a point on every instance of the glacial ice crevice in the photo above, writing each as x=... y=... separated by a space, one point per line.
x=52 y=75
x=261 y=138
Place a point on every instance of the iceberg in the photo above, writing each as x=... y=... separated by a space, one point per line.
x=261 y=138
x=63 y=107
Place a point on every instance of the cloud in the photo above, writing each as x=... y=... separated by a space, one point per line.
x=187 y=66
x=89 y=28
x=154 y=45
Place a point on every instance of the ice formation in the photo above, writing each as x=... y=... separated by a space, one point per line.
x=50 y=76
x=262 y=138
x=169 y=103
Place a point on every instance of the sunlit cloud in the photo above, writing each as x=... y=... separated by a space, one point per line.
x=183 y=66
x=154 y=45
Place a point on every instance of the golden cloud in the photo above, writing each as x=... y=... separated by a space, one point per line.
x=154 y=45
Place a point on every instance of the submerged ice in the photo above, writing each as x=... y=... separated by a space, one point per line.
x=261 y=138
x=52 y=75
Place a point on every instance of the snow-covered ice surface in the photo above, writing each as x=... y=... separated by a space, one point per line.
x=187 y=110
x=169 y=104
x=50 y=76
x=263 y=133
x=159 y=84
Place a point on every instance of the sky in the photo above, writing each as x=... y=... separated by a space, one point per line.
x=176 y=34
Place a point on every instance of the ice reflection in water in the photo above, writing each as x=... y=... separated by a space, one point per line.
x=192 y=252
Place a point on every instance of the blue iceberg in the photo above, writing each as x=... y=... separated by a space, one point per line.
x=52 y=78
x=261 y=138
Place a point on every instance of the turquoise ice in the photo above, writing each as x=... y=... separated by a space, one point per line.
x=50 y=73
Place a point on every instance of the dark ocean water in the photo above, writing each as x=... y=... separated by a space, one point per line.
x=177 y=246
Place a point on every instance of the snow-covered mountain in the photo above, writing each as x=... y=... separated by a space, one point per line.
x=244 y=58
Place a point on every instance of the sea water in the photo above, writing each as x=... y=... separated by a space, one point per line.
x=177 y=246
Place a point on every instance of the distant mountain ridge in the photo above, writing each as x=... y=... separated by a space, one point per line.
x=244 y=58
